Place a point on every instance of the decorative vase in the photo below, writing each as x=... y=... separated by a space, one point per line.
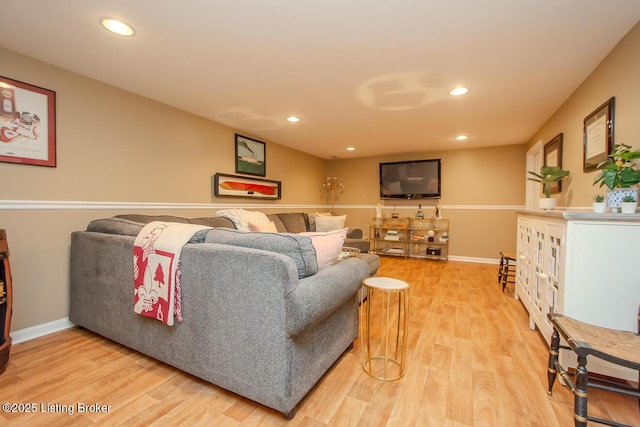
x=615 y=196
x=547 y=203
x=599 y=207
x=628 y=207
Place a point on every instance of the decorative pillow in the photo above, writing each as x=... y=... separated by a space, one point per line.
x=242 y=217
x=265 y=228
x=299 y=248
x=328 y=246
x=323 y=213
x=330 y=223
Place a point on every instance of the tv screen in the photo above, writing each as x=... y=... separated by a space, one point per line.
x=415 y=179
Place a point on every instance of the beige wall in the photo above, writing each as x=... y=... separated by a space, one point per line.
x=115 y=148
x=118 y=152
x=617 y=75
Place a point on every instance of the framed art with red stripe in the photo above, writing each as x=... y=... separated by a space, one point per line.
x=240 y=186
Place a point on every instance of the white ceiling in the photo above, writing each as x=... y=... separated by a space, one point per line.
x=373 y=74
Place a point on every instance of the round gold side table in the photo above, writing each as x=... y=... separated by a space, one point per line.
x=385 y=346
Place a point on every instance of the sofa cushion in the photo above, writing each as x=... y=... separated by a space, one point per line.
x=120 y=226
x=294 y=222
x=299 y=248
x=328 y=246
x=125 y=227
x=145 y=219
x=213 y=222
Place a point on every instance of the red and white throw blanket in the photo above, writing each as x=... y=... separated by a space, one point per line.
x=156 y=269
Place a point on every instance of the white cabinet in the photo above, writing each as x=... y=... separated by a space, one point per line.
x=583 y=265
x=538 y=269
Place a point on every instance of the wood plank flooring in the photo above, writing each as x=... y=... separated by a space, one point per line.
x=471 y=361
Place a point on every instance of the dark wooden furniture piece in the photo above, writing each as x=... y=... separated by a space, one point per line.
x=507 y=269
x=5 y=302
x=618 y=347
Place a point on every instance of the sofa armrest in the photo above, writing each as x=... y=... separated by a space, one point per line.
x=317 y=296
x=355 y=233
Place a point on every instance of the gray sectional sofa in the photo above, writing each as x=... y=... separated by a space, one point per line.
x=258 y=321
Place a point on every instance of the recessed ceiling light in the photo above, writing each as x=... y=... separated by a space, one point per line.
x=461 y=137
x=351 y=148
x=117 y=27
x=293 y=119
x=459 y=91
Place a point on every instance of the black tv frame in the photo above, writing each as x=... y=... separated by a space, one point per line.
x=407 y=195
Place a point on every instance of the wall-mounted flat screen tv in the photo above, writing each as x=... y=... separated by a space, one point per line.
x=414 y=179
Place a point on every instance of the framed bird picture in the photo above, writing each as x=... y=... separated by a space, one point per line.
x=250 y=156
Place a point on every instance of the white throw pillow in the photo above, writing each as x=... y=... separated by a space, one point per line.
x=269 y=227
x=330 y=223
x=327 y=245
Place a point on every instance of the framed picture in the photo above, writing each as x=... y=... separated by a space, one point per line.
x=598 y=135
x=241 y=186
x=553 y=157
x=250 y=156
x=27 y=124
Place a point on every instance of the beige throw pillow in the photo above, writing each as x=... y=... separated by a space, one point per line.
x=269 y=227
x=330 y=223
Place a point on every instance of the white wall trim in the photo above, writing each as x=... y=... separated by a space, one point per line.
x=40 y=330
x=474 y=259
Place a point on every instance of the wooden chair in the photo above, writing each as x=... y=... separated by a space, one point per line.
x=618 y=347
x=507 y=269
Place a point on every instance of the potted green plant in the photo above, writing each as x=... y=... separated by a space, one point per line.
x=620 y=174
x=548 y=176
x=628 y=204
x=599 y=203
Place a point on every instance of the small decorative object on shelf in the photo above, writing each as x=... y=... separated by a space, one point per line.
x=599 y=204
x=548 y=177
x=378 y=211
x=438 y=210
x=394 y=214
x=628 y=204
x=419 y=214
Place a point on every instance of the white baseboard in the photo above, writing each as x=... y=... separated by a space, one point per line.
x=474 y=259
x=40 y=330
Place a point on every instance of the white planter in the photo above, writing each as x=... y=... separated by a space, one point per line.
x=615 y=196
x=547 y=203
x=628 y=207
x=599 y=207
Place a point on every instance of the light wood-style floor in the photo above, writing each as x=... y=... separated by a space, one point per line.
x=472 y=361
